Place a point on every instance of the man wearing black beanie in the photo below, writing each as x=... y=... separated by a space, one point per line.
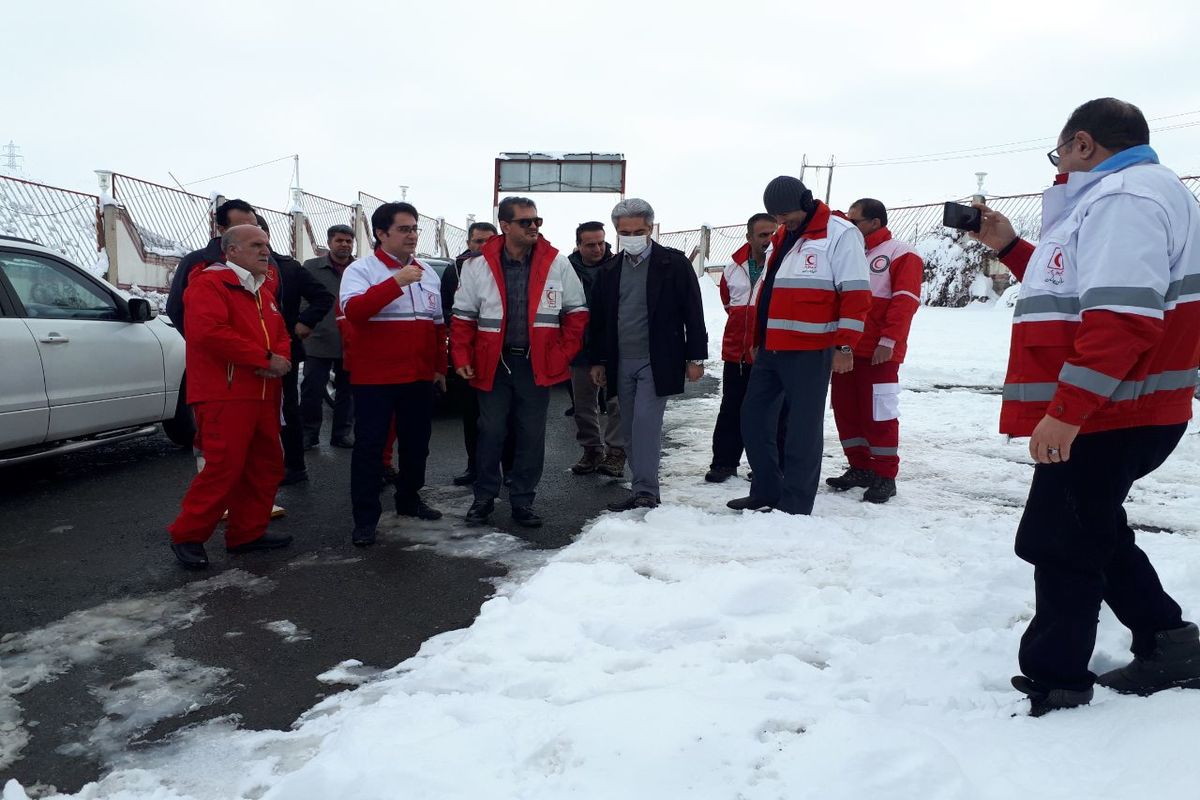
x=810 y=308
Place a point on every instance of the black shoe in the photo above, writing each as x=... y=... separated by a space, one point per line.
x=191 y=555
x=417 y=508
x=1043 y=700
x=466 y=479
x=640 y=500
x=294 y=476
x=268 y=541
x=310 y=442
x=570 y=412
x=363 y=537
x=748 y=503
x=852 y=478
x=344 y=442
x=880 y=490
x=588 y=462
x=719 y=474
x=1175 y=662
x=479 y=512
x=526 y=517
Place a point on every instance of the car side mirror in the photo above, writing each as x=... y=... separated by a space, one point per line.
x=140 y=310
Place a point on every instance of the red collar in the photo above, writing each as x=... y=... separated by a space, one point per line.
x=1061 y=178
x=878 y=237
x=542 y=251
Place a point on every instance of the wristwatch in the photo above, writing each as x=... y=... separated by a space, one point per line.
x=845 y=348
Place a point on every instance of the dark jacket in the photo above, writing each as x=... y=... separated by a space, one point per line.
x=326 y=339
x=676 y=314
x=209 y=254
x=587 y=276
x=296 y=283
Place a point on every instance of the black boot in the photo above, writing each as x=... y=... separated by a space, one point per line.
x=1175 y=662
x=879 y=491
x=466 y=479
x=1043 y=700
x=294 y=476
x=526 y=517
x=851 y=478
x=720 y=474
x=748 y=503
x=417 y=508
x=268 y=541
x=191 y=555
x=480 y=511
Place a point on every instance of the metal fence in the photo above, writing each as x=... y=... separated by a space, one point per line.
x=65 y=221
x=280 y=225
x=455 y=239
x=437 y=237
x=170 y=222
x=320 y=214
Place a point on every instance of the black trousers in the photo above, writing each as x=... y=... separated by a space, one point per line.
x=292 y=433
x=515 y=408
x=312 y=398
x=1075 y=533
x=374 y=407
x=727 y=434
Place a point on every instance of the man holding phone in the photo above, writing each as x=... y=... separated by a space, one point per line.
x=1106 y=338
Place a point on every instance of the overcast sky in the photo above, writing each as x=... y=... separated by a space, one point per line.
x=708 y=101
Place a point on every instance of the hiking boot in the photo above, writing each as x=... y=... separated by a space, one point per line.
x=639 y=500
x=613 y=464
x=588 y=462
x=480 y=511
x=851 y=478
x=720 y=474
x=417 y=508
x=879 y=491
x=1043 y=699
x=466 y=479
x=526 y=517
x=1174 y=663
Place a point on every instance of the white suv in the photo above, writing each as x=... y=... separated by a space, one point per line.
x=81 y=363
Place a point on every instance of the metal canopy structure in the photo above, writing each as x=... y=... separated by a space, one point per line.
x=595 y=173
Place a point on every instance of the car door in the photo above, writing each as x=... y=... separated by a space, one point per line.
x=102 y=371
x=24 y=409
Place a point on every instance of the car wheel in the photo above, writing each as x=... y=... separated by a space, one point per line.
x=181 y=429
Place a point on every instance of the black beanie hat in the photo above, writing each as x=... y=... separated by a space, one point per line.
x=785 y=194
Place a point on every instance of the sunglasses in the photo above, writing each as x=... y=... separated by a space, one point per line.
x=529 y=222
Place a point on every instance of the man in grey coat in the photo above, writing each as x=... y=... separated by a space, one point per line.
x=323 y=350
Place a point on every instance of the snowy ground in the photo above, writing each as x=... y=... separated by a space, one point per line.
x=690 y=651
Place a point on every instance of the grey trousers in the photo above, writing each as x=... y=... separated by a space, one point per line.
x=587 y=414
x=642 y=423
x=515 y=407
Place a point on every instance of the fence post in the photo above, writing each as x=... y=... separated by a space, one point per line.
x=443 y=248
x=297 y=213
x=362 y=242
x=106 y=222
x=217 y=201
x=702 y=256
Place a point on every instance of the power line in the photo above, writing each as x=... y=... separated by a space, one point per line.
x=982 y=152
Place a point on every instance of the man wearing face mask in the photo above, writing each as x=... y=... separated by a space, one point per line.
x=1105 y=342
x=808 y=312
x=647 y=334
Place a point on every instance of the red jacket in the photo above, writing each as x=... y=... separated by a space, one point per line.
x=557 y=315
x=390 y=334
x=231 y=333
x=736 y=292
x=821 y=288
x=896 y=274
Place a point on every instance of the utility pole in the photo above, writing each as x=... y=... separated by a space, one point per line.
x=805 y=166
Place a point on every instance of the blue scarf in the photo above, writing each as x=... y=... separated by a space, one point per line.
x=1141 y=154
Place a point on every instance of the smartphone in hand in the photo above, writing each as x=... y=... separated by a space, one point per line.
x=964 y=218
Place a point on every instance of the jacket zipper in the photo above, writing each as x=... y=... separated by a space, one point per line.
x=266 y=336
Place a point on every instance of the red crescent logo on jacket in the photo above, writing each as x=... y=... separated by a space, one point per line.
x=880 y=264
x=810 y=262
x=1055 y=268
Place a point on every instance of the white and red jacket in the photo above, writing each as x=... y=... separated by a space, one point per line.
x=821 y=291
x=1106 y=331
x=232 y=333
x=736 y=291
x=896 y=274
x=557 y=315
x=391 y=334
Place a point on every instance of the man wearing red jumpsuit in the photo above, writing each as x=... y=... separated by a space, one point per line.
x=238 y=349
x=866 y=399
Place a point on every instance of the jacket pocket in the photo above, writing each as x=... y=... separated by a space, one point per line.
x=885 y=402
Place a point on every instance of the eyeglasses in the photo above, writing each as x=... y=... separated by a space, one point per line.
x=857 y=221
x=406 y=228
x=529 y=222
x=1054 y=156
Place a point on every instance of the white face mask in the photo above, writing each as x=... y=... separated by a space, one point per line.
x=634 y=245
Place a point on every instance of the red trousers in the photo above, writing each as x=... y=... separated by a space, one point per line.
x=866 y=407
x=243 y=466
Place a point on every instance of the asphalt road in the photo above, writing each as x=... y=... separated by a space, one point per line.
x=108 y=647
